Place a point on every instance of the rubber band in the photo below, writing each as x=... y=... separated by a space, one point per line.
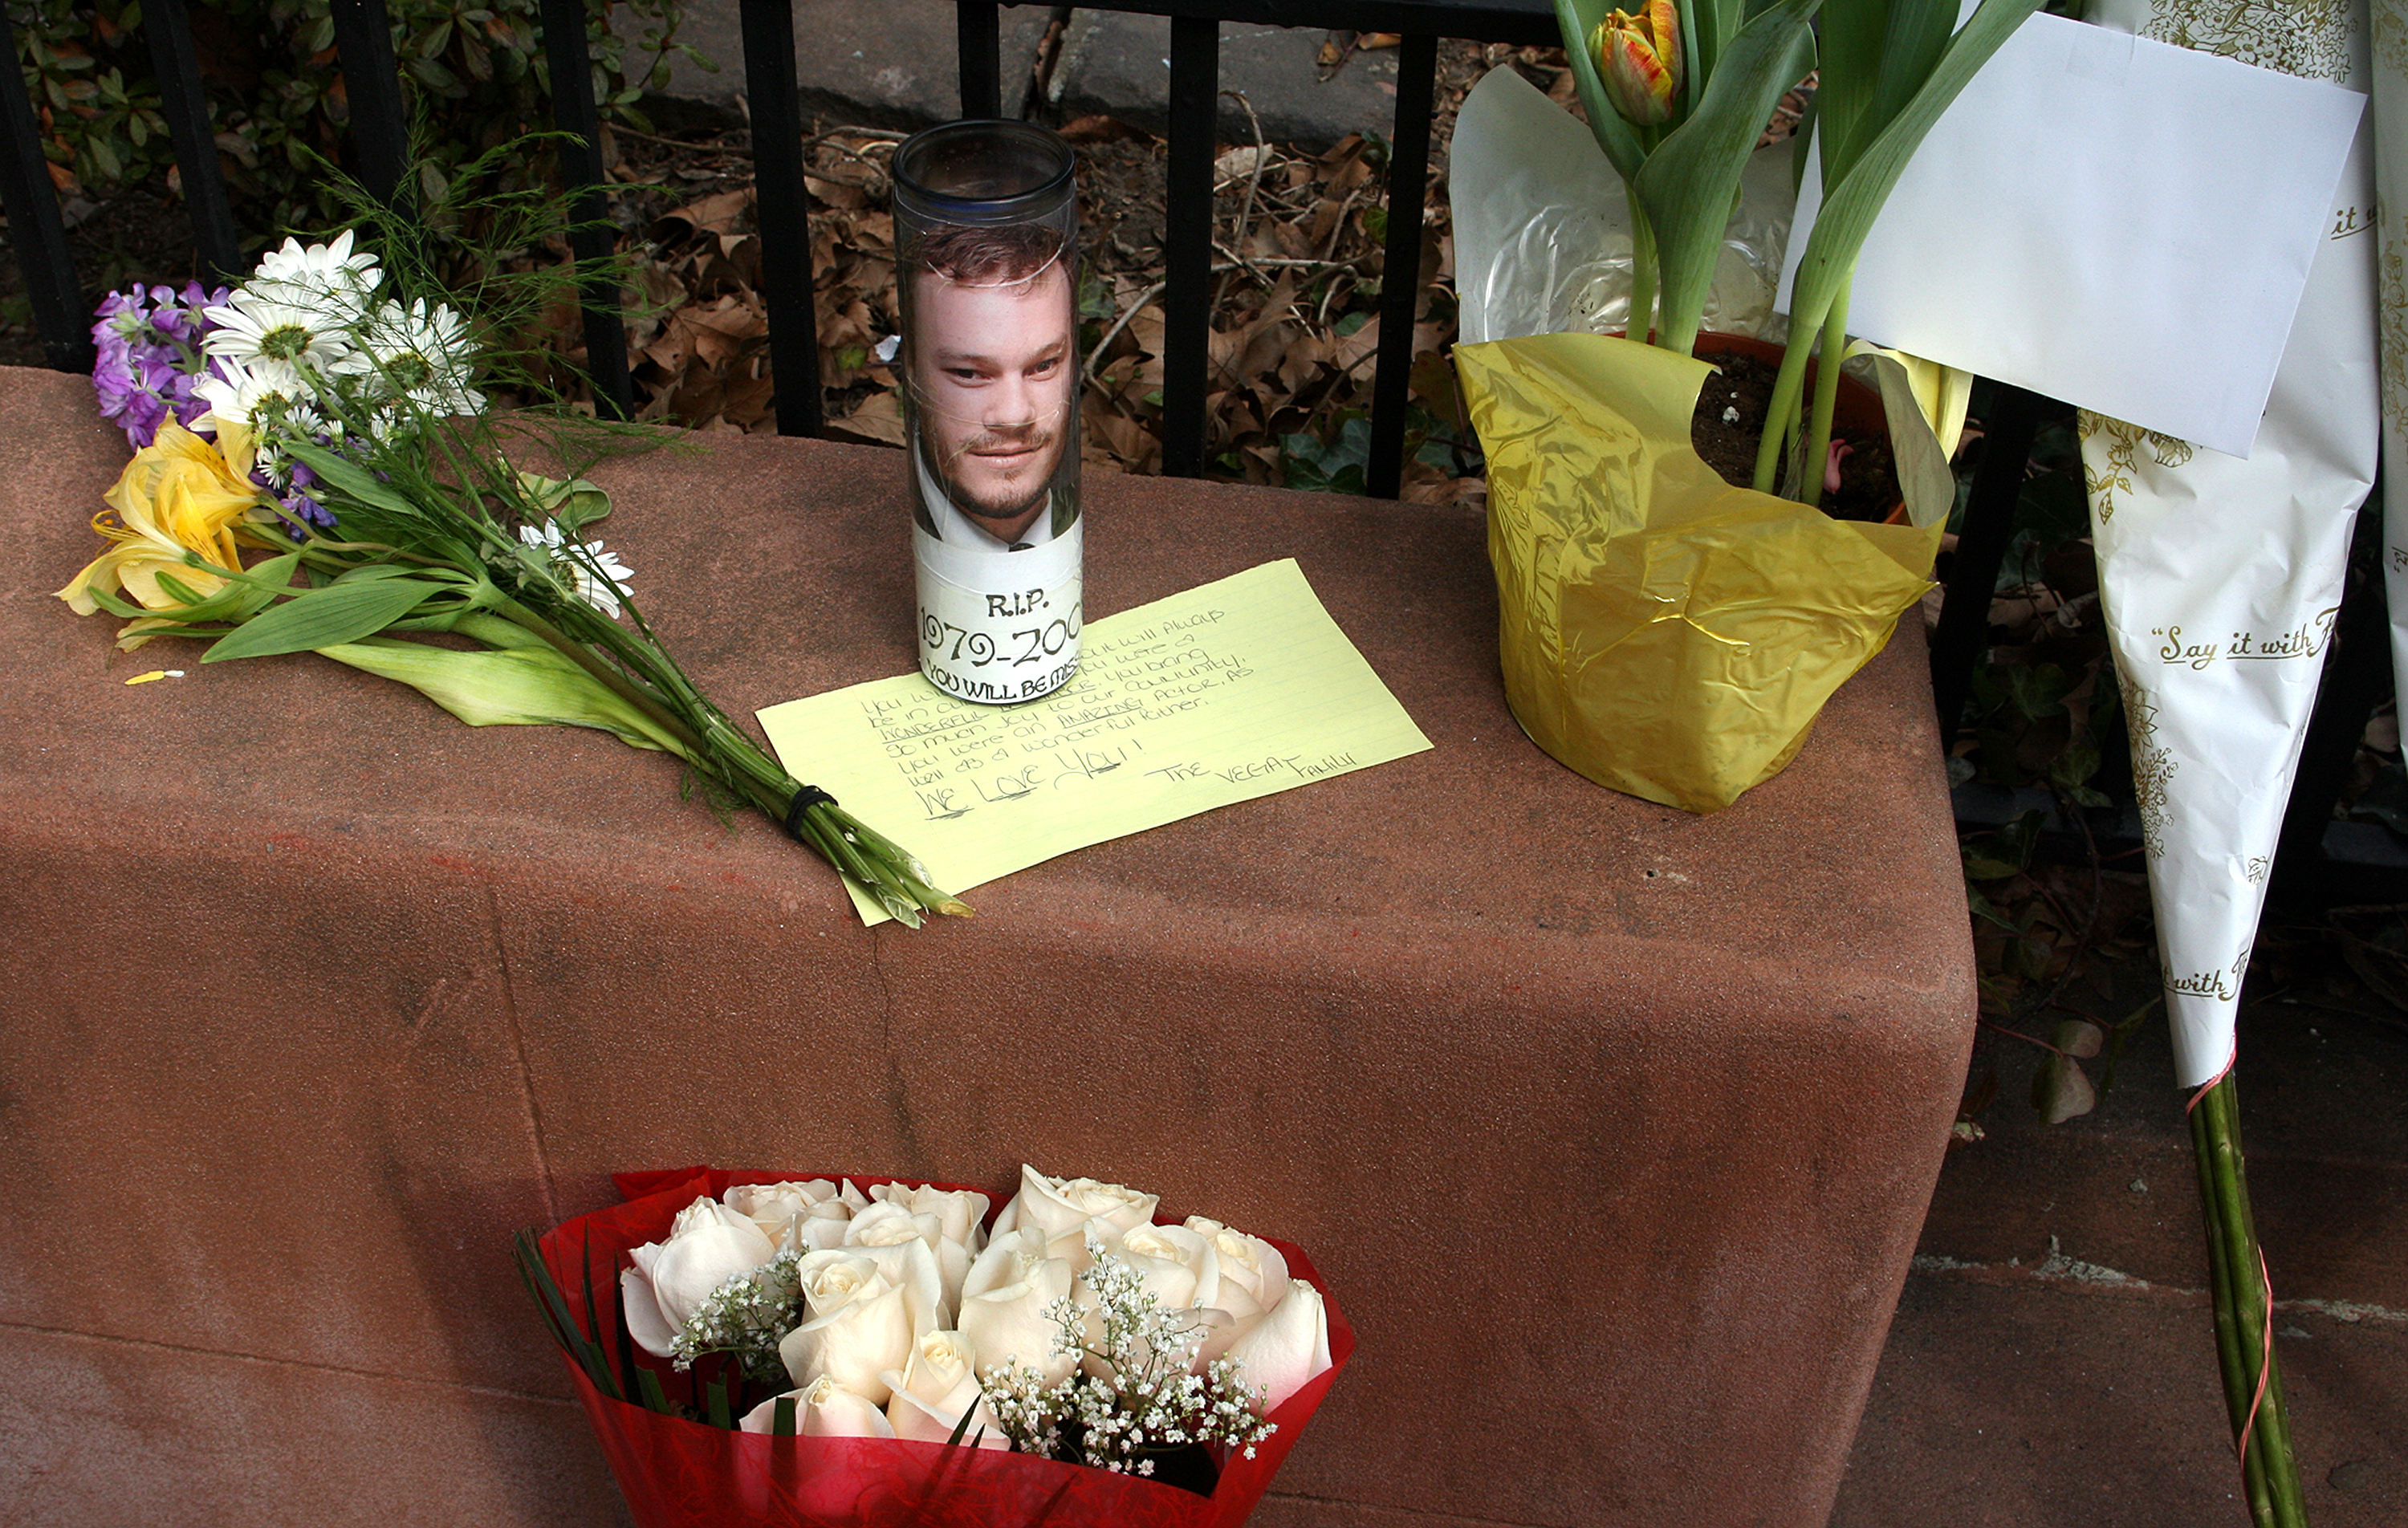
x=2209 y=1086
x=2265 y=1362
x=806 y=797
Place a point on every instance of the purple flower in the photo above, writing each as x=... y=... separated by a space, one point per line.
x=148 y=353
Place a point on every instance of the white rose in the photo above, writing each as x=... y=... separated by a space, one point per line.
x=1003 y=1308
x=775 y=1207
x=708 y=1245
x=1180 y=1266
x=858 y=1325
x=848 y=1195
x=1062 y=1207
x=822 y=1226
x=1253 y=1273
x=1000 y=1263
x=903 y=1245
x=951 y=1254
x=961 y=1212
x=934 y=1391
x=822 y=1409
x=1285 y=1347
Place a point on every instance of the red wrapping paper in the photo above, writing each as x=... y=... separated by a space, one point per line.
x=681 y=1474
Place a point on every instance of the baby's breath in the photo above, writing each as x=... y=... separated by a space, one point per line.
x=1146 y=1401
x=746 y=1318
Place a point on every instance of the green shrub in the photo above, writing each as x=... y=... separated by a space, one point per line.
x=474 y=69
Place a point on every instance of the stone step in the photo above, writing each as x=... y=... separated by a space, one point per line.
x=2053 y=1358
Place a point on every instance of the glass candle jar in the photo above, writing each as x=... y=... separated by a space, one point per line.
x=986 y=252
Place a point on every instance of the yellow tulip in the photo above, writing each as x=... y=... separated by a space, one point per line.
x=180 y=494
x=1638 y=60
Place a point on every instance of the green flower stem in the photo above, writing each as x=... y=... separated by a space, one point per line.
x=1642 y=324
x=615 y=681
x=2269 y=1473
x=1780 y=418
x=715 y=746
x=1826 y=397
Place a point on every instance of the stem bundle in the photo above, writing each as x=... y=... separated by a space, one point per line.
x=2245 y=1311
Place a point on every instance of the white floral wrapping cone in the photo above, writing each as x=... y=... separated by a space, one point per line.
x=2220 y=579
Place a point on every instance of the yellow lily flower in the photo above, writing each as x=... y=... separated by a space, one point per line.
x=180 y=494
x=218 y=472
x=1638 y=60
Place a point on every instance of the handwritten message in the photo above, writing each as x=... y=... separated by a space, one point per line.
x=1232 y=690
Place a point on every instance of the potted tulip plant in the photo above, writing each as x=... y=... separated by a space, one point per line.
x=1677 y=97
x=1664 y=632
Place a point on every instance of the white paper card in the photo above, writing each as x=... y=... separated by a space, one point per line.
x=2116 y=223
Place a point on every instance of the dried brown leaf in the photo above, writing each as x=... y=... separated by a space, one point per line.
x=878 y=421
x=841 y=196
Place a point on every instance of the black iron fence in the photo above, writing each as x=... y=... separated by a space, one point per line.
x=2317 y=857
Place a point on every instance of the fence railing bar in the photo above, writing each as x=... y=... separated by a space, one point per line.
x=979 y=47
x=186 y=106
x=1400 y=274
x=372 y=84
x=1963 y=631
x=61 y=315
x=786 y=280
x=31 y=200
x=590 y=236
x=1187 y=269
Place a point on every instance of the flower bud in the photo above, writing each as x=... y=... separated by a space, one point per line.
x=1639 y=58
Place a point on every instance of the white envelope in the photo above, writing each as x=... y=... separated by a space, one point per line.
x=2116 y=223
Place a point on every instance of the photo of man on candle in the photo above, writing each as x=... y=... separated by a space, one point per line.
x=992 y=365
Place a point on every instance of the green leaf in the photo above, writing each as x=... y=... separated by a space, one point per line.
x=324 y=617
x=1708 y=28
x=1576 y=20
x=1982 y=867
x=352 y=480
x=554 y=1306
x=529 y=686
x=1689 y=183
x=1850 y=207
x=573 y=505
x=782 y=1417
x=648 y=1385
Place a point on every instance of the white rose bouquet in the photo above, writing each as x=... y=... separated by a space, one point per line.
x=881 y=1341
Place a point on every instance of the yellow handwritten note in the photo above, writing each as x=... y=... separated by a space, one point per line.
x=1228 y=692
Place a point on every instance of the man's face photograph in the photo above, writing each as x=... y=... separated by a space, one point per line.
x=993 y=362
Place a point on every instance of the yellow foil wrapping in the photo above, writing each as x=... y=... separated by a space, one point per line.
x=1663 y=633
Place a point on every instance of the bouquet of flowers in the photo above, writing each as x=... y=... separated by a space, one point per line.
x=865 y=1350
x=316 y=468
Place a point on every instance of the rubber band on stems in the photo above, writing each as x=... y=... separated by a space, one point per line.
x=806 y=797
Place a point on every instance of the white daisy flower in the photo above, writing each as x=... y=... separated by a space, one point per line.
x=414 y=354
x=265 y=396
x=253 y=328
x=600 y=593
x=312 y=275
